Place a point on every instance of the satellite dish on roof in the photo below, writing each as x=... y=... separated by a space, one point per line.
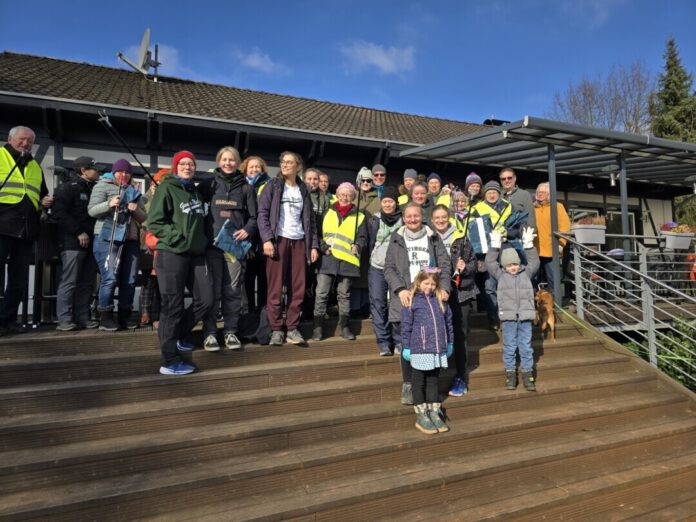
x=145 y=60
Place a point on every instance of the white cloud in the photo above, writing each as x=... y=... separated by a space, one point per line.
x=387 y=60
x=257 y=60
x=594 y=13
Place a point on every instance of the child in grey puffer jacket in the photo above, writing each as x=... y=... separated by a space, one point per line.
x=516 y=308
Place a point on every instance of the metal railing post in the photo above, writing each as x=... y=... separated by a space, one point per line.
x=648 y=310
x=579 y=298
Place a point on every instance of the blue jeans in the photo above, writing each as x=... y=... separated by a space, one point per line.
x=517 y=335
x=123 y=276
x=379 y=307
x=491 y=297
x=546 y=268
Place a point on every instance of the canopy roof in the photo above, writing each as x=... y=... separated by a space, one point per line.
x=579 y=150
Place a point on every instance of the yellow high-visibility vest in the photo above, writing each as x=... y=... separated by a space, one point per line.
x=340 y=237
x=403 y=199
x=17 y=186
x=443 y=199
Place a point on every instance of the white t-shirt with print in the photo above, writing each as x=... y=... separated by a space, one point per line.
x=290 y=223
x=418 y=255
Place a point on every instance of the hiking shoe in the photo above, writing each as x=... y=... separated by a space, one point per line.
x=459 y=388
x=90 y=325
x=436 y=417
x=177 y=368
x=295 y=337
x=528 y=381
x=423 y=420
x=107 y=322
x=232 y=341
x=66 y=327
x=184 y=346
x=510 y=379
x=384 y=350
x=406 y=394
x=277 y=338
x=211 y=344
x=397 y=349
x=317 y=333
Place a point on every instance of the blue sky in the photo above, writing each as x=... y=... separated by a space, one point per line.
x=463 y=60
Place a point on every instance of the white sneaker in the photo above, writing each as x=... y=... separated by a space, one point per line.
x=232 y=342
x=211 y=344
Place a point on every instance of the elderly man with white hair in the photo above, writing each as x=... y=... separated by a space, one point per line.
x=22 y=194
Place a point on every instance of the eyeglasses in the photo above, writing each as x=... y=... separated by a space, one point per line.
x=191 y=165
x=288 y=162
x=365 y=181
x=379 y=175
x=506 y=179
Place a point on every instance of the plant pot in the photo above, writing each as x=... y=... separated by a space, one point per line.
x=677 y=240
x=589 y=234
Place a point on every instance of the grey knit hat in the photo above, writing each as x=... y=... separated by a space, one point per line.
x=492 y=185
x=509 y=257
x=410 y=173
x=379 y=168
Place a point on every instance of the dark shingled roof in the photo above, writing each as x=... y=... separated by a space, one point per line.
x=82 y=82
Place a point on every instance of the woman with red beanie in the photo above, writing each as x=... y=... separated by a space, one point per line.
x=177 y=220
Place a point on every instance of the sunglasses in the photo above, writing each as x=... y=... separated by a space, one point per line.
x=379 y=175
x=506 y=179
x=366 y=181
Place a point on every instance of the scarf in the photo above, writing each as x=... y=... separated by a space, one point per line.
x=414 y=236
x=343 y=210
x=447 y=237
x=390 y=219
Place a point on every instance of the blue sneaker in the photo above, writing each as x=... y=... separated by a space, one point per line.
x=459 y=388
x=184 y=346
x=177 y=368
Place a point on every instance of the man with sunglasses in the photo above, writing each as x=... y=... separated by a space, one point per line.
x=518 y=198
x=379 y=176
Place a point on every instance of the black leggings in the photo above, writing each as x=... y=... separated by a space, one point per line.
x=460 y=321
x=425 y=385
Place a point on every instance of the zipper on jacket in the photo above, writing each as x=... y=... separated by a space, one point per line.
x=432 y=313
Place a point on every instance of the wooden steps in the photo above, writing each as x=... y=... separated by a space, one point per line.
x=90 y=431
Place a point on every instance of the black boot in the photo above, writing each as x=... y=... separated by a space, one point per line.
x=345 y=329
x=528 y=381
x=125 y=319
x=511 y=379
x=106 y=320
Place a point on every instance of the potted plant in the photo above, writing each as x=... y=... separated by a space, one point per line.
x=677 y=237
x=590 y=230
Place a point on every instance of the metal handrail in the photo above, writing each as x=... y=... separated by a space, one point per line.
x=623 y=299
x=652 y=280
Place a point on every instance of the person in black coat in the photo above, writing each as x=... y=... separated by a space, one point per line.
x=76 y=233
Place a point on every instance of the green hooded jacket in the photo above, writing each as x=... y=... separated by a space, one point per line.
x=176 y=218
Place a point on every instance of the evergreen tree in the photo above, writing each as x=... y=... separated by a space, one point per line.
x=673 y=106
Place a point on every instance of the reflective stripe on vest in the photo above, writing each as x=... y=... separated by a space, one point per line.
x=340 y=237
x=17 y=186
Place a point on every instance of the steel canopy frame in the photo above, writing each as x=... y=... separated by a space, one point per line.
x=564 y=148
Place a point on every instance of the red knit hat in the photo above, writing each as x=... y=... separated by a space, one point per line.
x=179 y=156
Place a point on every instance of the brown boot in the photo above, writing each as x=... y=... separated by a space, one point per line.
x=145 y=319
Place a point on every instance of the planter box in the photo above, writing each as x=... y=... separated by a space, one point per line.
x=589 y=234
x=677 y=240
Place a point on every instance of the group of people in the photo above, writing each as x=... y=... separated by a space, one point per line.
x=426 y=253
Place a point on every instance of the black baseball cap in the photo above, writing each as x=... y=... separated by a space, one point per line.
x=85 y=162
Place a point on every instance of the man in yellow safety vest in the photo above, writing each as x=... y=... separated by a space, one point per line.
x=22 y=194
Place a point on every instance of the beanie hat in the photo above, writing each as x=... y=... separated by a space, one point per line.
x=379 y=168
x=410 y=173
x=471 y=179
x=120 y=165
x=179 y=156
x=364 y=173
x=434 y=175
x=345 y=186
x=509 y=257
x=391 y=193
x=492 y=185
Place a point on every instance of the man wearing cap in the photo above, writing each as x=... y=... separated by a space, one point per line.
x=379 y=177
x=22 y=194
x=519 y=199
x=410 y=178
x=76 y=228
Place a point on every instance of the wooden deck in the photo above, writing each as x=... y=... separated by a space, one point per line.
x=90 y=431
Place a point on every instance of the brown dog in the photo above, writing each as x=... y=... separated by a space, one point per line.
x=546 y=317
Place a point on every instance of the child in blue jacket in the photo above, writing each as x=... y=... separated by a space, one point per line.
x=427 y=336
